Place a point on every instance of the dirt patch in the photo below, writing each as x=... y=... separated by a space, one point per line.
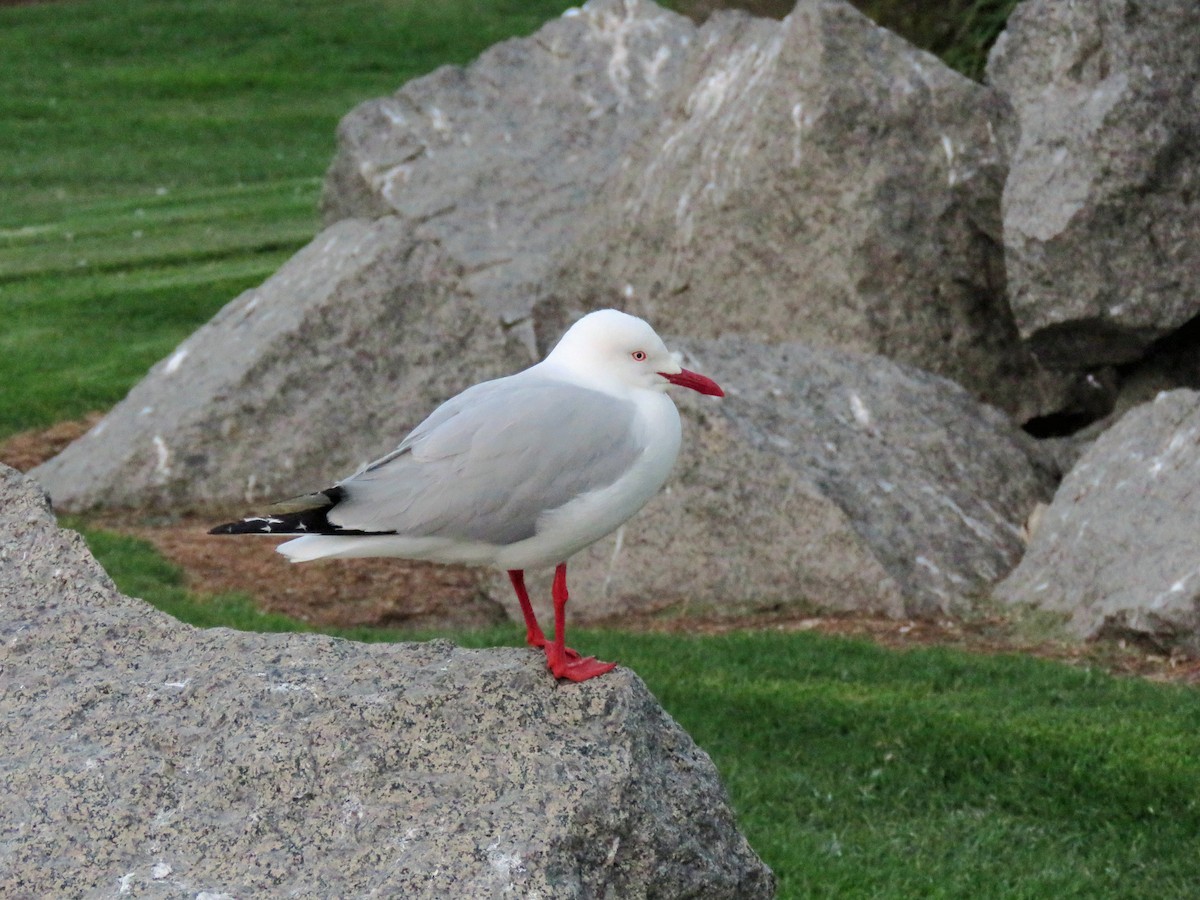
x=404 y=594
x=334 y=593
x=27 y=449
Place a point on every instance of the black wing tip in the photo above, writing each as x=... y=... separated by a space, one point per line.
x=300 y=515
x=312 y=518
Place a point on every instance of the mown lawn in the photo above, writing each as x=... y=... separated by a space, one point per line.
x=158 y=157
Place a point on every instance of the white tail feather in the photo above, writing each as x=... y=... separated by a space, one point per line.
x=324 y=546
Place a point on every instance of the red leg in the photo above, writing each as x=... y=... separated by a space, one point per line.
x=533 y=631
x=564 y=662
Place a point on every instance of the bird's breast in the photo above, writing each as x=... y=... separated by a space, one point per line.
x=591 y=516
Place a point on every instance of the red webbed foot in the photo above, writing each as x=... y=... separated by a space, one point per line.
x=573 y=667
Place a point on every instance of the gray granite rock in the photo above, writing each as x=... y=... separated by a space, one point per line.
x=501 y=163
x=144 y=757
x=817 y=180
x=1101 y=205
x=1118 y=550
x=824 y=479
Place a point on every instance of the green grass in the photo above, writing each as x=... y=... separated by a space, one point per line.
x=134 y=96
x=159 y=157
x=93 y=298
x=858 y=771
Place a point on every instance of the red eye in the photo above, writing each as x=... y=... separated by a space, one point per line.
x=639 y=355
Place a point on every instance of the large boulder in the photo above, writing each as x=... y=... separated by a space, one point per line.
x=819 y=180
x=824 y=479
x=1118 y=550
x=1102 y=201
x=501 y=162
x=143 y=756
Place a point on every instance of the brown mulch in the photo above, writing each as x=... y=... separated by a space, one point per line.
x=337 y=593
x=27 y=449
x=402 y=593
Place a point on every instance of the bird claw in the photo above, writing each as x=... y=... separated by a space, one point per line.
x=576 y=668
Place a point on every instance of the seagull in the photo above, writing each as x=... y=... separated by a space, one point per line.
x=517 y=473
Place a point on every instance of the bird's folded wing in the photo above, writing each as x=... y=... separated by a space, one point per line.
x=486 y=464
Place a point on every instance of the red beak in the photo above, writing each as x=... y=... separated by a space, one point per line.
x=695 y=382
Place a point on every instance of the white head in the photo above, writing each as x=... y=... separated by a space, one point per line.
x=609 y=344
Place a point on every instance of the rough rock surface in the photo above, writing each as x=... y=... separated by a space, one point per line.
x=1118 y=550
x=143 y=756
x=1102 y=201
x=500 y=163
x=819 y=180
x=828 y=478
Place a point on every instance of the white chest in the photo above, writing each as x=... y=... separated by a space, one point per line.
x=591 y=516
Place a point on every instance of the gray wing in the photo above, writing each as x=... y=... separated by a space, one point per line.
x=487 y=463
